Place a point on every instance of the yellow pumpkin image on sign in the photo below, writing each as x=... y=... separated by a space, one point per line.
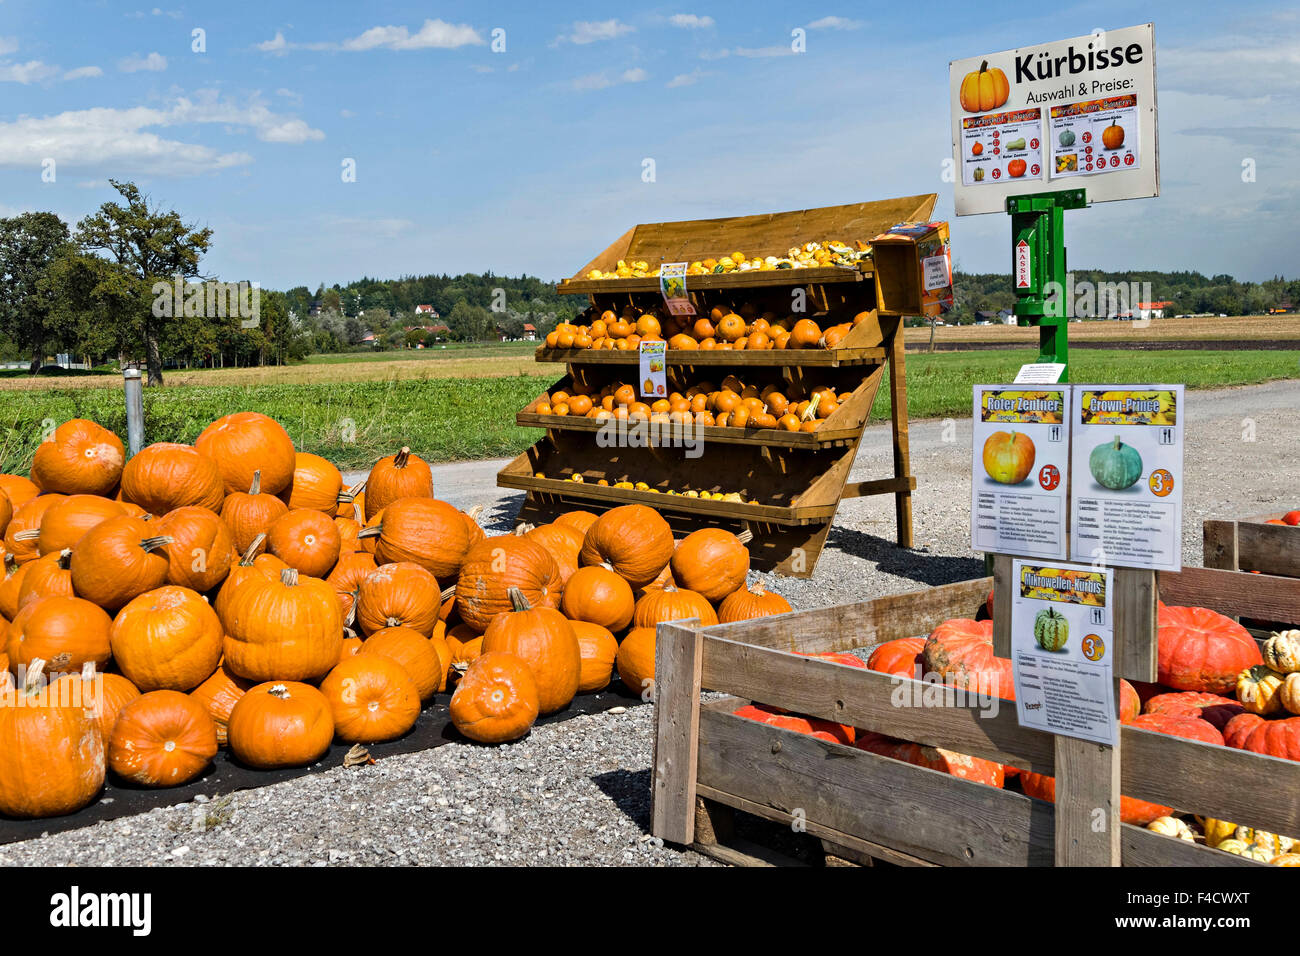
x=1008 y=457
x=984 y=89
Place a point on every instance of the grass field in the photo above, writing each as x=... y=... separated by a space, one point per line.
x=1175 y=330
x=462 y=409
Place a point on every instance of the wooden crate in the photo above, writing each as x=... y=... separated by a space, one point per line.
x=796 y=479
x=709 y=763
x=1248 y=544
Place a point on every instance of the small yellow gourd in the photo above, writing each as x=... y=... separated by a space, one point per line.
x=1216 y=831
x=1242 y=848
x=1282 y=652
x=1172 y=826
x=1258 y=690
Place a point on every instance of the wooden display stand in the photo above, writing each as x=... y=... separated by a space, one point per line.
x=1251 y=545
x=710 y=763
x=792 y=482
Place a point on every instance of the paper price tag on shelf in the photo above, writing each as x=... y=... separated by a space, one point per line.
x=1062 y=649
x=1020 y=460
x=1127 y=488
x=653 y=378
x=672 y=285
x=1040 y=373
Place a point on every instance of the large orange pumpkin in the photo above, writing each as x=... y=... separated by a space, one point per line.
x=634 y=540
x=218 y=695
x=166 y=476
x=711 y=561
x=63 y=525
x=80 y=457
x=543 y=638
x=562 y=543
x=51 y=753
x=24 y=528
x=119 y=559
x=1200 y=649
x=247 y=442
x=960 y=652
x=102 y=695
x=167 y=639
x=251 y=564
x=403 y=475
x=372 y=699
x=66 y=632
x=353 y=568
x=636 y=661
x=162 y=739
x=317 y=485
x=417 y=654
x=250 y=513
x=598 y=649
x=495 y=566
x=398 y=595
x=1276 y=738
x=496 y=700
x=201 y=550
x=599 y=596
x=49 y=577
x=899 y=657
x=745 y=604
x=280 y=724
x=1136 y=812
x=290 y=628
x=11 y=586
x=18 y=489
x=580 y=521
x=425 y=531
x=307 y=541
x=669 y=603
x=969 y=768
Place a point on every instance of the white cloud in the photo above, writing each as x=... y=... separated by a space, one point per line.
x=83 y=72
x=347 y=114
x=158 y=12
x=835 y=23
x=602 y=80
x=33 y=71
x=8 y=45
x=434 y=34
x=134 y=63
x=591 y=31
x=685 y=79
x=292 y=96
x=690 y=21
x=274 y=45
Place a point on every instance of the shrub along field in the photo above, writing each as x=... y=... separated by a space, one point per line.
x=447 y=413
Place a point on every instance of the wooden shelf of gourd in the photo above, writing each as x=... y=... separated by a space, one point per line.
x=777 y=399
x=234 y=594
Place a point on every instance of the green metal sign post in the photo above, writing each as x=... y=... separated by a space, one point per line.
x=1038 y=268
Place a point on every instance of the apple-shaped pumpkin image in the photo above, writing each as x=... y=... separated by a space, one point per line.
x=1115 y=465
x=1008 y=457
x=984 y=89
x=1112 y=137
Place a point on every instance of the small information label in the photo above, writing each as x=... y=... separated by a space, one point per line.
x=1062 y=650
x=1024 y=266
x=1020 y=460
x=1127 y=492
x=672 y=285
x=1040 y=373
x=653 y=378
x=936 y=271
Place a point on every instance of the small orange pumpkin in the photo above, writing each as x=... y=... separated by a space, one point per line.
x=496 y=700
x=162 y=739
x=281 y=724
x=372 y=699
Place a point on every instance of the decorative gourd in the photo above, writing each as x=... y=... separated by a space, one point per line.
x=251 y=513
x=1218 y=710
x=167 y=639
x=1276 y=738
x=218 y=695
x=960 y=652
x=1112 y=137
x=287 y=628
x=1115 y=465
x=425 y=531
x=1051 y=629
x=597 y=595
x=1216 y=831
x=280 y=724
x=660 y=605
x=1258 y=689
x=80 y=457
x=247 y=442
x=372 y=699
x=1282 y=651
x=598 y=648
x=983 y=89
x=118 y=560
x=1286 y=859
x=1172 y=827
x=1242 y=848
x=401 y=594
x=317 y=485
x=635 y=661
x=166 y=476
x=495 y=566
x=496 y=700
x=68 y=629
x=403 y=475
x=1289 y=693
x=162 y=739
x=712 y=562
x=352 y=568
x=1271 y=843
x=1200 y=649
x=901 y=657
x=1008 y=457
x=306 y=541
x=24 y=528
x=51 y=753
x=63 y=524
x=634 y=540
x=414 y=652
x=201 y=551
x=746 y=604
x=543 y=638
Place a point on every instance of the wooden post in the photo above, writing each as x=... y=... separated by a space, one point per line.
x=1087 y=803
x=898 y=416
x=1003 y=596
x=678 y=648
x=1135 y=624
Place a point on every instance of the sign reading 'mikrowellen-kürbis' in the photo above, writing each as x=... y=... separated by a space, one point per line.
x=1079 y=112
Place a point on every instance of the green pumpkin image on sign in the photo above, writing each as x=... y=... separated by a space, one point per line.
x=1115 y=465
x=1051 y=629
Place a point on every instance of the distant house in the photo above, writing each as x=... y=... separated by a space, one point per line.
x=370 y=339
x=427 y=311
x=985 y=316
x=438 y=333
x=530 y=332
x=1152 y=310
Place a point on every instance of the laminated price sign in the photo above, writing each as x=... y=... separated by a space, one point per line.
x=653 y=379
x=1127 y=484
x=1062 y=649
x=1019 y=468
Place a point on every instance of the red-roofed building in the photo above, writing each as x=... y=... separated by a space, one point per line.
x=530 y=332
x=426 y=310
x=1152 y=310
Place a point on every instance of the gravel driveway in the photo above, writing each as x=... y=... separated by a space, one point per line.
x=577 y=792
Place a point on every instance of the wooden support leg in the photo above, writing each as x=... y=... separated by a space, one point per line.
x=1087 y=803
x=715 y=823
x=678 y=650
x=902 y=457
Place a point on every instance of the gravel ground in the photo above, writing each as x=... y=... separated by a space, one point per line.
x=577 y=793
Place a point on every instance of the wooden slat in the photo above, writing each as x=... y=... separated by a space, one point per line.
x=1263 y=596
x=1270 y=548
x=1087 y=818
x=1198 y=778
x=1219 y=545
x=677 y=713
x=1134 y=602
x=750 y=279
x=861 y=698
x=1142 y=847
x=880 y=486
x=917 y=811
x=726 y=357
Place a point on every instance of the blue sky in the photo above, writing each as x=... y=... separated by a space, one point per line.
x=530 y=160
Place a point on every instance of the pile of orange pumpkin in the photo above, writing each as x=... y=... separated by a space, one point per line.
x=722 y=328
x=234 y=593
x=732 y=403
x=1291 y=518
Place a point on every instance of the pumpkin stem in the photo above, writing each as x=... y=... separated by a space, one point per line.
x=158 y=541
x=256 y=487
x=279 y=690
x=400 y=459
x=745 y=536
x=518 y=600
x=289 y=577
x=31 y=534
x=11 y=564
x=88 y=670
x=984 y=66
x=371 y=532
x=247 y=559
x=524 y=528
x=35 y=676
x=474 y=512
x=352 y=614
x=448 y=593
x=64 y=558
x=811 y=411
x=758 y=590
